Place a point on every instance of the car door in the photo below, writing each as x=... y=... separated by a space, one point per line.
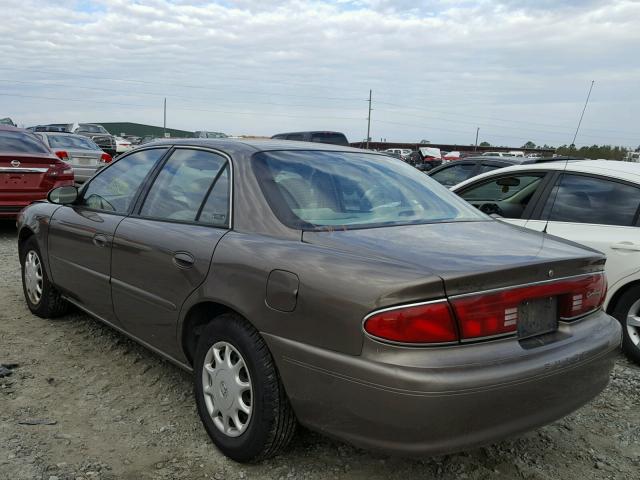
x=596 y=211
x=510 y=196
x=80 y=235
x=455 y=173
x=162 y=252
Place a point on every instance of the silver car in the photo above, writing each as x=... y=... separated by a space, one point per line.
x=80 y=152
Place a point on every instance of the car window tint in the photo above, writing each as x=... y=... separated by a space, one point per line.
x=178 y=191
x=454 y=174
x=21 y=142
x=488 y=168
x=75 y=142
x=583 y=199
x=296 y=136
x=114 y=189
x=215 y=210
x=328 y=137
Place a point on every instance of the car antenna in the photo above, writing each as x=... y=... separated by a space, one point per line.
x=566 y=163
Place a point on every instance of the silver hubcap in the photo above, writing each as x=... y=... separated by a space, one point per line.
x=33 y=277
x=633 y=323
x=228 y=394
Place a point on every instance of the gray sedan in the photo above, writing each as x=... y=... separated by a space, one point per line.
x=322 y=285
x=80 y=152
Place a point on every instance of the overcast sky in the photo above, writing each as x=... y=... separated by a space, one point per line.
x=519 y=70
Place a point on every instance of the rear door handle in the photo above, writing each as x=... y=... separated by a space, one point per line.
x=183 y=259
x=100 y=240
x=626 y=246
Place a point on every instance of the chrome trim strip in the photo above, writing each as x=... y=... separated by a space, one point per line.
x=406 y=344
x=23 y=170
x=573 y=319
x=490 y=337
x=511 y=287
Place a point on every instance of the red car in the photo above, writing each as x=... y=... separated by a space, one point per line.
x=28 y=170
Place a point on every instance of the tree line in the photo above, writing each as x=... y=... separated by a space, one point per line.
x=608 y=152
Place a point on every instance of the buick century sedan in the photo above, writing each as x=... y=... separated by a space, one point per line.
x=332 y=287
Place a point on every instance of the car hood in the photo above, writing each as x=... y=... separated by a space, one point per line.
x=469 y=256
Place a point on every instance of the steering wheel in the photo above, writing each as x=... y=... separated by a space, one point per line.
x=491 y=209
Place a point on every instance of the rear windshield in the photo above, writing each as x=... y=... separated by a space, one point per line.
x=20 y=142
x=72 y=142
x=343 y=190
x=329 y=137
x=87 y=127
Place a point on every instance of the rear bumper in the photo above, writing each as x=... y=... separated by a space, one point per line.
x=82 y=174
x=434 y=401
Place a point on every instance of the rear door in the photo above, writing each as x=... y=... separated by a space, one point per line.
x=596 y=211
x=170 y=240
x=81 y=235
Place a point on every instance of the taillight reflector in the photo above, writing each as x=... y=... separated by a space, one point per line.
x=105 y=158
x=62 y=155
x=426 y=323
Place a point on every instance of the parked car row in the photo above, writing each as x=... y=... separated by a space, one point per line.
x=319 y=284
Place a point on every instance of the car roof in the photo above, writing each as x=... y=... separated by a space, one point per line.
x=251 y=146
x=610 y=168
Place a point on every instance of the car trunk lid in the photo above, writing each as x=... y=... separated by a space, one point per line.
x=21 y=172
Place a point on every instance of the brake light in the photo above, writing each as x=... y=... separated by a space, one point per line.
x=491 y=314
x=105 y=158
x=61 y=171
x=426 y=323
x=485 y=314
x=62 y=155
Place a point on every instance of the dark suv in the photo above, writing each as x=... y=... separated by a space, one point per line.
x=99 y=135
x=334 y=138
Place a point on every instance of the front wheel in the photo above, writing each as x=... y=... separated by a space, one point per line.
x=627 y=311
x=42 y=297
x=239 y=395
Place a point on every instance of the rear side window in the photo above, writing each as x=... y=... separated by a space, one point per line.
x=21 y=142
x=583 y=199
x=115 y=188
x=454 y=174
x=182 y=185
x=296 y=136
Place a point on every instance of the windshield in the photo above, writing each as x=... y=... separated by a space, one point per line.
x=318 y=189
x=87 y=127
x=20 y=142
x=68 y=141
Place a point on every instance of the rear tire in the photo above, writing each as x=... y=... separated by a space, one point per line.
x=240 y=398
x=627 y=311
x=42 y=297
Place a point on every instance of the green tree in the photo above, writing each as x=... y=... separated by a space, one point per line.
x=529 y=145
x=485 y=144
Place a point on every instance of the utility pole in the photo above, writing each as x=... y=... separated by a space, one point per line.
x=164 y=125
x=477 y=132
x=369 y=121
x=573 y=142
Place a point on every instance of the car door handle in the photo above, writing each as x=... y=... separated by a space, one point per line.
x=100 y=240
x=183 y=260
x=635 y=247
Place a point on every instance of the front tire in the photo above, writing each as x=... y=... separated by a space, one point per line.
x=42 y=297
x=627 y=311
x=239 y=395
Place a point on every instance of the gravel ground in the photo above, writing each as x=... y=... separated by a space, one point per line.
x=102 y=407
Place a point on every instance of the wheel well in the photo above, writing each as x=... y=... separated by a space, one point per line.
x=24 y=235
x=619 y=293
x=197 y=318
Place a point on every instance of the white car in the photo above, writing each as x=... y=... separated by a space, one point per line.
x=593 y=202
x=123 y=145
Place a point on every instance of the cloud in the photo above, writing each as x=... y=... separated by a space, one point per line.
x=519 y=70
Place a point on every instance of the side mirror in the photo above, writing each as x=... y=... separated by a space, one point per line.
x=63 y=195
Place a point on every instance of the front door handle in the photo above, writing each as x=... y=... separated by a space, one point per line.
x=183 y=260
x=626 y=246
x=100 y=240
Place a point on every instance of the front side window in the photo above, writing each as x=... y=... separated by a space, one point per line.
x=321 y=189
x=507 y=196
x=115 y=188
x=454 y=174
x=584 y=199
x=182 y=185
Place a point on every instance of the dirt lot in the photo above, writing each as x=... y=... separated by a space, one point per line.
x=117 y=411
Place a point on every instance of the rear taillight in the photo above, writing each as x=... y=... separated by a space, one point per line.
x=490 y=314
x=62 y=155
x=485 y=314
x=427 y=323
x=61 y=171
x=105 y=158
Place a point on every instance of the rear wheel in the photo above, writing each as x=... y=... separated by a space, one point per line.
x=239 y=395
x=627 y=311
x=42 y=297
